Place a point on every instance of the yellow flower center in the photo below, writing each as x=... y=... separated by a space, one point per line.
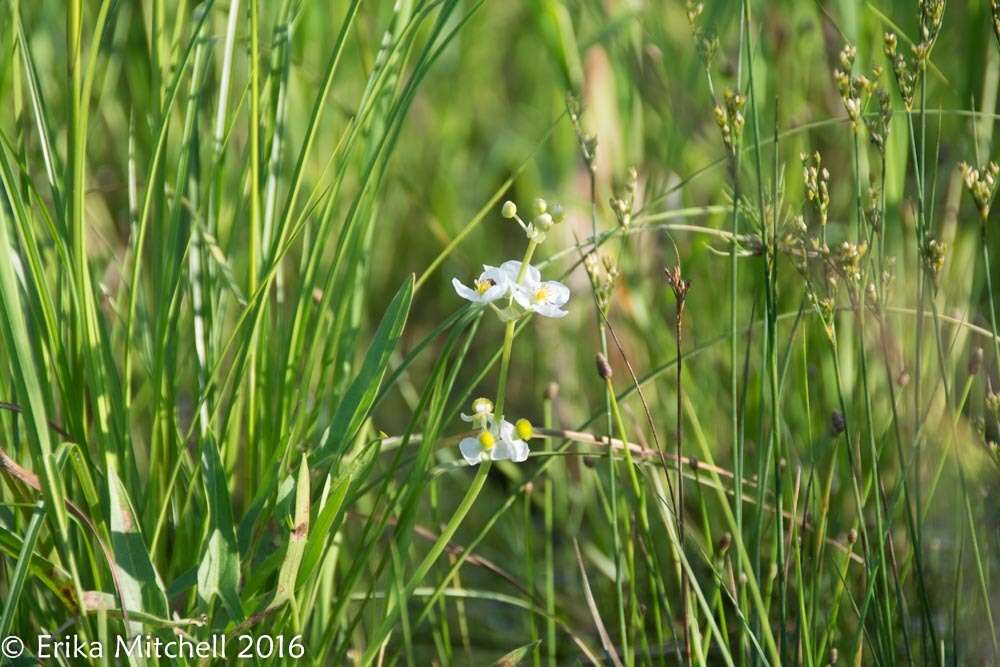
x=524 y=429
x=486 y=440
x=541 y=294
x=482 y=286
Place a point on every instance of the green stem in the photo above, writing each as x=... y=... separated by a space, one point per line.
x=508 y=338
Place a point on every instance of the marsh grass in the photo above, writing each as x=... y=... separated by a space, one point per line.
x=235 y=364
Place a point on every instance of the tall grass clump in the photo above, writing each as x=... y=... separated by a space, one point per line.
x=302 y=361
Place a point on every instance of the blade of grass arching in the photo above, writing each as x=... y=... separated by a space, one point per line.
x=311 y=260
x=371 y=179
x=15 y=583
x=357 y=402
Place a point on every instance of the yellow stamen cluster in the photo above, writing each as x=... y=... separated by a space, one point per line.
x=524 y=429
x=487 y=441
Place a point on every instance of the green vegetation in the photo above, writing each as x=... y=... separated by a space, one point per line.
x=236 y=365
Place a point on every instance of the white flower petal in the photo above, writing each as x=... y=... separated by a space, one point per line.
x=557 y=294
x=509 y=446
x=522 y=296
x=501 y=451
x=519 y=451
x=463 y=291
x=471 y=450
x=513 y=268
x=498 y=289
x=497 y=275
x=549 y=310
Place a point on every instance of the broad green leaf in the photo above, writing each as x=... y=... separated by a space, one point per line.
x=357 y=401
x=141 y=587
x=320 y=534
x=219 y=570
x=296 y=540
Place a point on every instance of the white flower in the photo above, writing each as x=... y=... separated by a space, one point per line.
x=494 y=444
x=543 y=297
x=492 y=284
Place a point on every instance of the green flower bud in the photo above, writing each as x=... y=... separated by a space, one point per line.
x=557 y=213
x=482 y=406
x=544 y=222
x=509 y=209
x=540 y=206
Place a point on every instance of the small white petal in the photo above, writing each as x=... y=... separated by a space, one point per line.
x=557 y=293
x=513 y=268
x=501 y=451
x=520 y=451
x=549 y=310
x=471 y=450
x=463 y=291
x=509 y=446
x=522 y=296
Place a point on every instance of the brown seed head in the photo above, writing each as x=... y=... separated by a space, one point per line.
x=603 y=367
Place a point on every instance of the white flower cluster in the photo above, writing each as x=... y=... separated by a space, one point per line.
x=531 y=293
x=520 y=291
x=496 y=441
